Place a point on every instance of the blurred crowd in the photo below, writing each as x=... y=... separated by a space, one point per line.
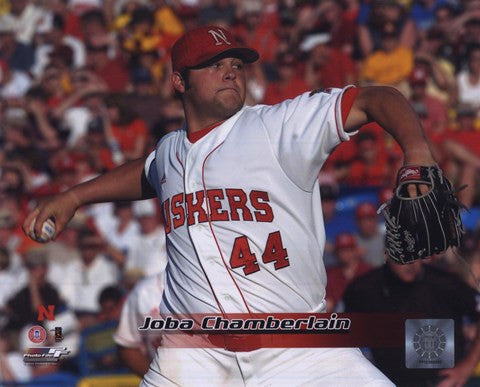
x=85 y=86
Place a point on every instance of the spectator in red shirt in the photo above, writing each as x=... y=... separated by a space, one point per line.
x=63 y=166
x=126 y=127
x=258 y=29
x=340 y=22
x=112 y=71
x=350 y=266
x=431 y=110
x=95 y=144
x=326 y=66
x=72 y=20
x=466 y=134
x=462 y=146
x=370 y=166
x=289 y=84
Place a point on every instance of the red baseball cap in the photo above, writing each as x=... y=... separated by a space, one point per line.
x=418 y=76
x=204 y=44
x=385 y=194
x=365 y=210
x=345 y=240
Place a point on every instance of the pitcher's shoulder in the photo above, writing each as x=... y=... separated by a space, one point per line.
x=171 y=138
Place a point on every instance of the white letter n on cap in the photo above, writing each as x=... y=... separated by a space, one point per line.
x=219 y=36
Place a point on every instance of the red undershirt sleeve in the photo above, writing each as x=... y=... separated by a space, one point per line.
x=348 y=98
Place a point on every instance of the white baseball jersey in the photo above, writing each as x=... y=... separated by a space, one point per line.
x=245 y=233
x=141 y=302
x=242 y=209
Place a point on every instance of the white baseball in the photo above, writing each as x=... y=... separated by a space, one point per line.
x=48 y=231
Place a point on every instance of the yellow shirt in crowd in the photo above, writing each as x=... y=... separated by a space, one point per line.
x=388 y=68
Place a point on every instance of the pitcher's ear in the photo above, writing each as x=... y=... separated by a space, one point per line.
x=178 y=82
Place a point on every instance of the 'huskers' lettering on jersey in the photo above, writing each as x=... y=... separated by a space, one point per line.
x=223 y=204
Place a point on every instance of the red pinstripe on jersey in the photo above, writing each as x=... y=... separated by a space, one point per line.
x=213 y=232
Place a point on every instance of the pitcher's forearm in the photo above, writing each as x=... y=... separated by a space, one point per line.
x=393 y=112
x=127 y=182
x=122 y=183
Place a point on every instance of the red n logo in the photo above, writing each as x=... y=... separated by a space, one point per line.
x=46 y=313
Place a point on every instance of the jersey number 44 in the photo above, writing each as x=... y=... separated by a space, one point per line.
x=274 y=251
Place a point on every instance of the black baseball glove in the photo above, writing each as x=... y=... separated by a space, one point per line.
x=418 y=227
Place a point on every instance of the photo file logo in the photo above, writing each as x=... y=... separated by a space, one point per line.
x=429 y=343
x=44 y=355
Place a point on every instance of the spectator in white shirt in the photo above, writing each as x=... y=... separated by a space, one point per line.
x=54 y=39
x=13 y=83
x=148 y=252
x=137 y=348
x=370 y=236
x=125 y=229
x=85 y=279
x=12 y=367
